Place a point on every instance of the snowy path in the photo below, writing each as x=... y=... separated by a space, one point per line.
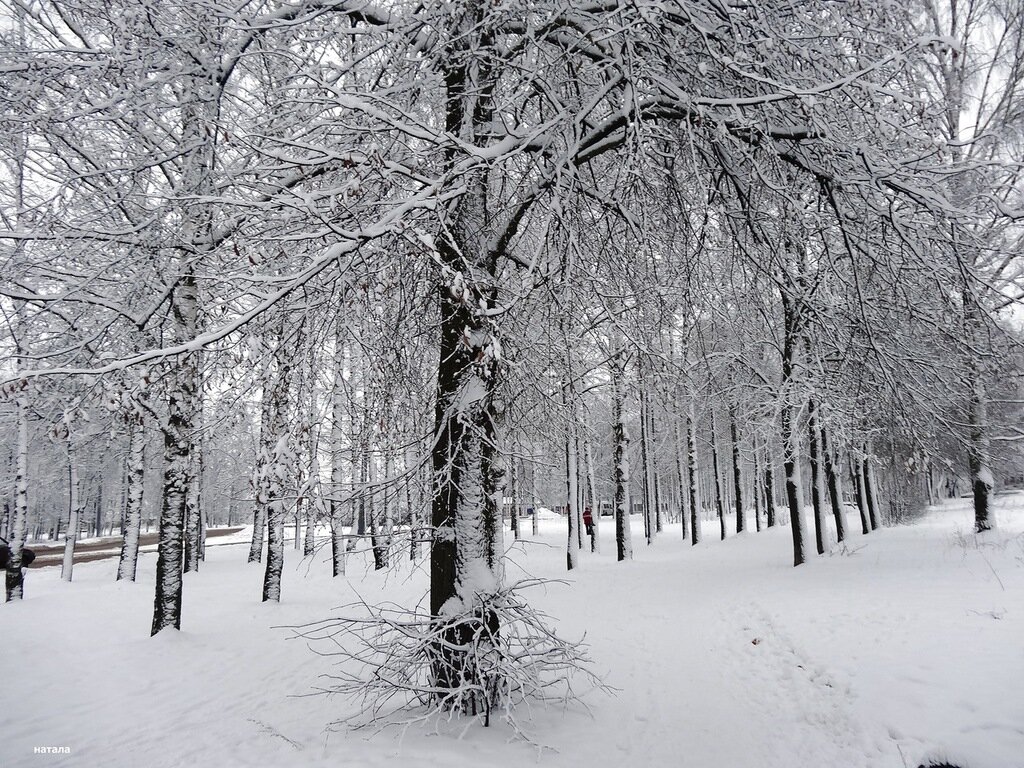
x=723 y=655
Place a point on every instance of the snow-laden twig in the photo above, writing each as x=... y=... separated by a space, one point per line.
x=497 y=657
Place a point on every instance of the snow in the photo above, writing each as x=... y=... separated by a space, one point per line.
x=903 y=645
x=543 y=513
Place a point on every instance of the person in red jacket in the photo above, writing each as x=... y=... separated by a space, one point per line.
x=588 y=521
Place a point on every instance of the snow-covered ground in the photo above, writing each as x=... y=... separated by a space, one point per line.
x=906 y=645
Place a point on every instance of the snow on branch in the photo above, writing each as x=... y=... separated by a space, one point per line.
x=495 y=657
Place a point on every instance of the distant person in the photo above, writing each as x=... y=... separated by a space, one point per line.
x=588 y=521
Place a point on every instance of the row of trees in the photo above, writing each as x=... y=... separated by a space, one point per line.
x=381 y=266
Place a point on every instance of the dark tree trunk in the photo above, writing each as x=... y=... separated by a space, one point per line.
x=645 y=468
x=857 y=470
x=595 y=507
x=719 y=495
x=414 y=508
x=305 y=466
x=623 y=538
x=792 y=323
x=757 y=490
x=572 y=556
x=691 y=471
x=448 y=461
x=514 y=494
x=819 y=510
x=98 y=512
x=581 y=501
x=534 y=522
x=793 y=500
x=769 y=492
x=978 y=456
x=978 y=445
x=832 y=479
x=683 y=483
x=653 y=455
x=368 y=511
x=869 y=494
x=467 y=468
x=492 y=470
x=737 y=477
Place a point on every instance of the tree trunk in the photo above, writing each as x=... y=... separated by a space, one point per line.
x=869 y=494
x=789 y=439
x=696 y=534
x=645 y=467
x=467 y=462
x=581 y=502
x=198 y=119
x=757 y=489
x=658 y=522
x=260 y=481
x=309 y=542
x=719 y=496
x=681 y=473
x=816 y=503
x=98 y=511
x=275 y=544
x=412 y=476
x=769 y=491
x=834 y=494
x=620 y=437
x=338 y=412
x=737 y=477
x=595 y=511
x=74 y=506
x=857 y=470
x=978 y=453
x=368 y=509
x=458 y=494
x=652 y=462
x=279 y=464
x=18 y=528
x=534 y=521
x=135 y=480
x=193 y=502
x=572 y=556
x=492 y=468
x=204 y=524
x=170 y=550
x=514 y=494
x=793 y=500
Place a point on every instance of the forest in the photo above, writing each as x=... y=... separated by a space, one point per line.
x=399 y=285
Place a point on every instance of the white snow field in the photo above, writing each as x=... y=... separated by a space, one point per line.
x=906 y=646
